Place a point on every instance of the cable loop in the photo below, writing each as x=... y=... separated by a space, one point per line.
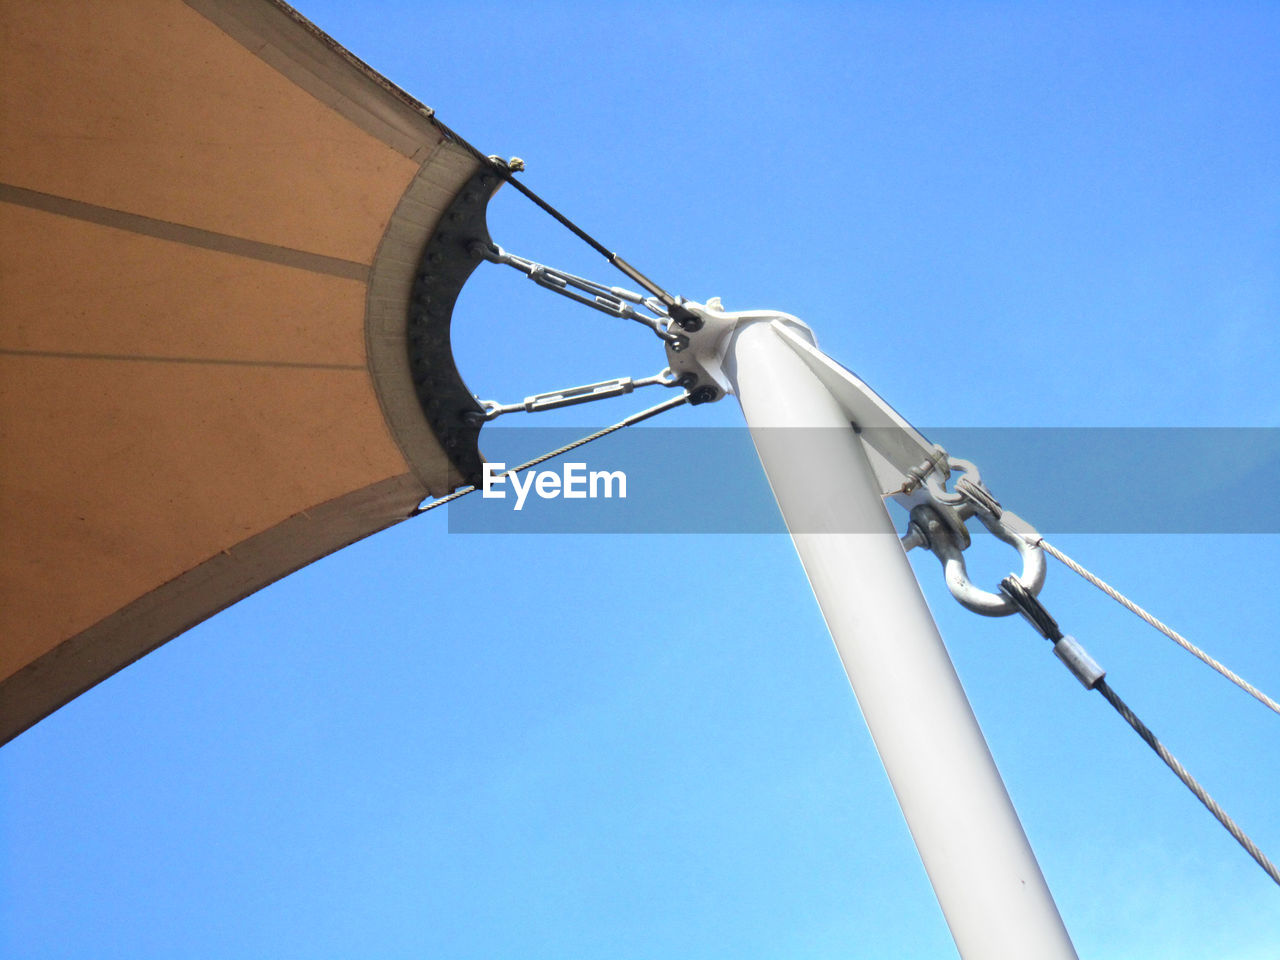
x=1031 y=608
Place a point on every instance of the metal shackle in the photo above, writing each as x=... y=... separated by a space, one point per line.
x=983 y=601
x=941 y=538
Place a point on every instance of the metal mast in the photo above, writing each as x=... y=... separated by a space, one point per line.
x=976 y=854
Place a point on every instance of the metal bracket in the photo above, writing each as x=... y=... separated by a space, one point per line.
x=895 y=448
x=696 y=351
x=914 y=473
x=446 y=262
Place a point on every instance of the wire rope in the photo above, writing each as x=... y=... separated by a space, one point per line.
x=1188 y=780
x=1168 y=631
x=1093 y=677
x=629 y=421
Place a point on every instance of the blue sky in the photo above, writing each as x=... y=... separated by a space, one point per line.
x=440 y=744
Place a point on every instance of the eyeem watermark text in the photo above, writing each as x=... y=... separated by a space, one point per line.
x=573 y=482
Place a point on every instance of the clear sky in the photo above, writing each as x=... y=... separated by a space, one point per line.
x=440 y=744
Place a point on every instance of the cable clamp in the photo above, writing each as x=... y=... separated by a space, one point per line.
x=1065 y=647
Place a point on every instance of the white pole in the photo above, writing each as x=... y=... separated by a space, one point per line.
x=982 y=869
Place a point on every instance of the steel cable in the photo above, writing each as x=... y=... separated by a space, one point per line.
x=1168 y=631
x=1181 y=772
x=1082 y=666
x=673 y=304
x=629 y=421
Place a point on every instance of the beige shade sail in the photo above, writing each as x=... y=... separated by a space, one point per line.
x=212 y=219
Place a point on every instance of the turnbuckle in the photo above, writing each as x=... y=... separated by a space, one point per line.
x=575 y=395
x=615 y=301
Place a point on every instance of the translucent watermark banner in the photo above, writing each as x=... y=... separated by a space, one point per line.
x=709 y=480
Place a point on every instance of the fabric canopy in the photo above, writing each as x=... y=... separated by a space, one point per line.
x=212 y=218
